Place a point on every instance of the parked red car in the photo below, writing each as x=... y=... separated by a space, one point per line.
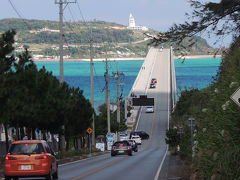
x=30 y=158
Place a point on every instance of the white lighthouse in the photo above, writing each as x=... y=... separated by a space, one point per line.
x=131 y=21
x=132 y=24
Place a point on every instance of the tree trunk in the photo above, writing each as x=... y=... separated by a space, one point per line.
x=79 y=143
x=17 y=133
x=44 y=135
x=75 y=143
x=22 y=133
x=33 y=133
x=6 y=135
x=55 y=146
x=29 y=133
x=67 y=142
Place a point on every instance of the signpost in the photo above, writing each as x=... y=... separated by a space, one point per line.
x=236 y=96
x=89 y=131
x=110 y=140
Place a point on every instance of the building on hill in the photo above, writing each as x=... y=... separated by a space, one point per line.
x=132 y=24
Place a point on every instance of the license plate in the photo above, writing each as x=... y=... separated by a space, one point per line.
x=25 y=167
x=121 y=151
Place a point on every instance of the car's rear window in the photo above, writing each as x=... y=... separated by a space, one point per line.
x=26 y=148
x=135 y=137
x=124 y=143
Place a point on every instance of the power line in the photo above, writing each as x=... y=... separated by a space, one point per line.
x=15 y=9
x=19 y=15
x=71 y=13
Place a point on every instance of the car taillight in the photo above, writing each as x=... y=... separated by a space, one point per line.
x=128 y=147
x=10 y=158
x=41 y=157
x=113 y=148
x=133 y=143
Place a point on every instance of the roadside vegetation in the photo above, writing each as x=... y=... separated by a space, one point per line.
x=33 y=100
x=216 y=150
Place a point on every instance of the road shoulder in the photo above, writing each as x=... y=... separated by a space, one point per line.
x=174 y=168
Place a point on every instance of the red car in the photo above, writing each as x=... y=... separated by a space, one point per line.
x=154 y=80
x=30 y=158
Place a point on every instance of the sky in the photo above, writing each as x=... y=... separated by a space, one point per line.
x=156 y=14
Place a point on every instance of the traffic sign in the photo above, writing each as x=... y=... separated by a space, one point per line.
x=236 y=96
x=89 y=130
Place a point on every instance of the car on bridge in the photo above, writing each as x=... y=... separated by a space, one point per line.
x=152 y=85
x=149 y=109
x=30 y=158
x=154 y=80
x=137 y=139
x=142 y=134
x=121 y=147
x=122 y=137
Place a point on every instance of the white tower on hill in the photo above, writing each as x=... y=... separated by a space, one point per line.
x=132 y=24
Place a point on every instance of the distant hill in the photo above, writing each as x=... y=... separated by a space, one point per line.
x=42 y=38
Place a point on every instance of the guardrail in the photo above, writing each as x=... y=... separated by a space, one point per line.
x=173 y=81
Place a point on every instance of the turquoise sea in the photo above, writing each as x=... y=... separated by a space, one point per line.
x=197 y=73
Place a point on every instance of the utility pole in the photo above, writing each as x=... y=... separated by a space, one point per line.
x=118 y=97
x=107 y=96
x=60 y=2
x=117 y=76
x=92 y=87
x=191 y=123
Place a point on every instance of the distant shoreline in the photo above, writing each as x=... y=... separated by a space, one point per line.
x=125 y=59
x=197 y=56
x=82 y=60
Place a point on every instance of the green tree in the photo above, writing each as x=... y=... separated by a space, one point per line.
x=6 y=61
x=220 y=18
x=79 y=115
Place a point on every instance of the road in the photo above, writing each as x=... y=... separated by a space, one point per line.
x=146 y=163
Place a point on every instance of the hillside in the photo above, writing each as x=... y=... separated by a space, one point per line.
x=42 y=38
x=217 y=126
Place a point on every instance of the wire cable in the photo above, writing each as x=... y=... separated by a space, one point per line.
x=19 y=15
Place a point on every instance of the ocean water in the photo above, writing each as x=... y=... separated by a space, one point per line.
x=192 y=73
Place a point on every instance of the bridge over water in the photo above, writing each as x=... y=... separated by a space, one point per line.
x=158 y=64
x=147 y=163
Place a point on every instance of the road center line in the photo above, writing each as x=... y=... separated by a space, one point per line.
x=99 y=169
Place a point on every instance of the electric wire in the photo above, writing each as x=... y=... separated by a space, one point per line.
x=19 y=15
x=88 y=37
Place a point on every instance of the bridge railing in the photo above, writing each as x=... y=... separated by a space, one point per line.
x=173 y=81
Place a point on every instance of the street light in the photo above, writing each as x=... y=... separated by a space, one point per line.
x=191 y=124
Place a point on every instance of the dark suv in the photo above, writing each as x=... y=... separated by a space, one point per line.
x=142 y=134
